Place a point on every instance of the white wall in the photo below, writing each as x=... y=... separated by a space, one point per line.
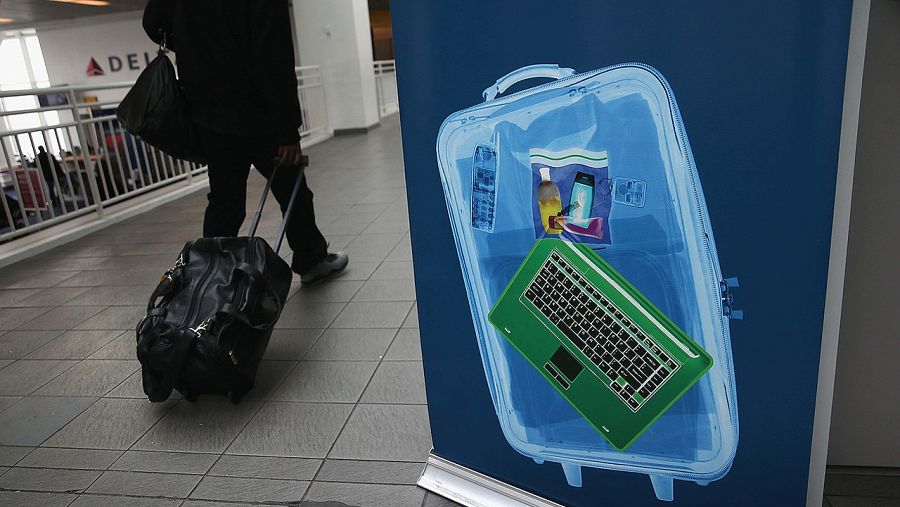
x=866 y=408
x=117 y=42
x=335 y=34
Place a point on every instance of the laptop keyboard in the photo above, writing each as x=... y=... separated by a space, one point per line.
x=634 y=364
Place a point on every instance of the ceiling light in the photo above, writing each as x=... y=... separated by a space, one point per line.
x=6 y=20
x=95 y=3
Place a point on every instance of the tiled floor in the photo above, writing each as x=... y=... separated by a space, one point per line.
x=338 y=414
x=862 y=487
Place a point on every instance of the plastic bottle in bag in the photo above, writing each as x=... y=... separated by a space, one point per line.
x=549 y=202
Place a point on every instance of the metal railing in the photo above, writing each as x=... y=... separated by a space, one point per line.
x=68 y=155
x=311 y=91
x=386 y=87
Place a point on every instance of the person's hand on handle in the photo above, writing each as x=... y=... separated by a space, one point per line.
x=290 y=154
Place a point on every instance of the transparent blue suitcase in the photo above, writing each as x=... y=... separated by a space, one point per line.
x=657 y=235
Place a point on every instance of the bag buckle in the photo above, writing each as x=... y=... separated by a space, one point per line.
x=728 y=298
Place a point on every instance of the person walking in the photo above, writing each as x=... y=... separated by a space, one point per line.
x=236 y=65
x=50 y=167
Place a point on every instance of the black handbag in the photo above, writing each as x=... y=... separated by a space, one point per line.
x=155 y=110
x=210 y=318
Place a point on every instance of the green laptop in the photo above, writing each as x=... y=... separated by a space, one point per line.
x=607 y=349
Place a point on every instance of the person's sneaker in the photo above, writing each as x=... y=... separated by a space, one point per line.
x=332 y=264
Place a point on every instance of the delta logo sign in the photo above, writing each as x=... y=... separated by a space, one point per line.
x=131 y=61
x=94 y=68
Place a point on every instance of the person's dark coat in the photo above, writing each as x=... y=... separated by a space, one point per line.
x=49 y=165
x=235 y=61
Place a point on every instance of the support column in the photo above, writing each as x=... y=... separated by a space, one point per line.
x=335 y=35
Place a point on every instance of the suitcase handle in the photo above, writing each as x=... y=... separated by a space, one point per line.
x=547 y=70
x=304 y=162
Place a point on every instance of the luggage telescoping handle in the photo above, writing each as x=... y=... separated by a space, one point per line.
x=547 y=70
x=304 y=161
x=290 y=208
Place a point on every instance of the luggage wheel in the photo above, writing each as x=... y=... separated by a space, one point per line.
x=190 y=396
x=235 y=397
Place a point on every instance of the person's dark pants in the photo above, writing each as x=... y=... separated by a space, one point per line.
x=52 y=193
x=229 y=159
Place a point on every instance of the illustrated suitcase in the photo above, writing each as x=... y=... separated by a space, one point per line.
x=210 y=318
x=622 y=124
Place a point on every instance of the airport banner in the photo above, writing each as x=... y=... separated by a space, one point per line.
x=621 y=216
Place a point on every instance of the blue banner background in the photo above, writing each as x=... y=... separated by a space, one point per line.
x=760 y=86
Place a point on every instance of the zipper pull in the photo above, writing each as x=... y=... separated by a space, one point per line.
x=233 y=357
x=178 y=263
x=202 y=328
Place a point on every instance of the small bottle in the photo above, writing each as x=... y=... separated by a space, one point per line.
x=582 y=200
x=549 y=202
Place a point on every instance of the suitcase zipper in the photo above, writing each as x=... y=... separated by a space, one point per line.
x=178 y=263
x=241 y=292
x=198 y=295
x=707 y=230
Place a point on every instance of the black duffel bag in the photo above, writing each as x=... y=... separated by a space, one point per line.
x=156 y=110
x=209 y=320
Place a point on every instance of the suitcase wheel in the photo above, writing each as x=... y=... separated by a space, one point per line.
x=235 y=397
x=190 y=396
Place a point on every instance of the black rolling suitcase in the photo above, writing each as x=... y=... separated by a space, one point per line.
x=209 y=320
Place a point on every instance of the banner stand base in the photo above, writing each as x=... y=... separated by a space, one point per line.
x=474 y=489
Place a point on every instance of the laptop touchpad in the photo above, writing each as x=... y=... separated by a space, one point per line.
x=566 y=363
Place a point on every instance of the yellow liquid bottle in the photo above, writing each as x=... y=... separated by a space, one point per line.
x=549 y=201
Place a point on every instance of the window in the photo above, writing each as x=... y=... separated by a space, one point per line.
x=22 y=67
